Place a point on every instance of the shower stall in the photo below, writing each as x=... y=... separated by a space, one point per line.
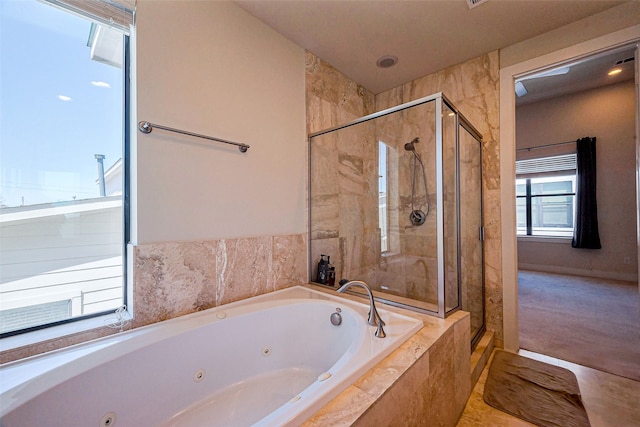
x=396 y=201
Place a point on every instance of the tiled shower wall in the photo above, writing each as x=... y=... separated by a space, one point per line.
x=473 y=87
x=411 y=260
x=339 y=174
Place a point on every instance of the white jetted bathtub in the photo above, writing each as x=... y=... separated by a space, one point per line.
x=272 y=360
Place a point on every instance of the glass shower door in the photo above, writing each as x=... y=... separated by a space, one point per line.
x=471 y=231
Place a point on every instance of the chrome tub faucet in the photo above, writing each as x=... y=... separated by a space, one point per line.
x=374 y=318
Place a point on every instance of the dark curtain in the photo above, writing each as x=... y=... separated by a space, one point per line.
x=585 y=233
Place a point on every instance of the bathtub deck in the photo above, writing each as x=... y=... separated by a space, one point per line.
x=276 y=375
x=426 y=378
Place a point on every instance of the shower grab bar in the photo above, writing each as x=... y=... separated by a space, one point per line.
x=146 y=127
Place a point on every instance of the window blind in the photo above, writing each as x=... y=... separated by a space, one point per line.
x=118 y=14
x=546 y=166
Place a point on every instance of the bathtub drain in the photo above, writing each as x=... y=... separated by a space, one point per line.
x=336 y=318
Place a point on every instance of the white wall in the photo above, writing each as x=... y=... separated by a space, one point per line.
x=601 y=24
x=211 y=68
x=608 y=113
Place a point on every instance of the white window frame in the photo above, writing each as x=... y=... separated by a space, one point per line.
x=540 y=170
x=122 y=23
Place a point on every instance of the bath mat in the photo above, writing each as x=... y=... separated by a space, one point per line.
x=534 y=391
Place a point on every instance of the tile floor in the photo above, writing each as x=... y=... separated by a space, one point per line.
x=610 y=400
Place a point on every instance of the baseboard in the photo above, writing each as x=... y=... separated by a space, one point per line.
x=613 y=275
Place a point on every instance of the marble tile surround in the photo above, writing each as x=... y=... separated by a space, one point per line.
x=177 y=278
x=418 y=384
x=473 y=87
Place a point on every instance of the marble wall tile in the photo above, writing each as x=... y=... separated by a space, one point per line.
x=390 y=98
x=410 y=354
x=176 y=278
x=333 y=99
x=441 y=390
x=289 y=263
x=351 y=172
x=402 y=403
x=473 y=87
x=243 y=266
x=325 y=216
x=421 y=245
x=325 y=165
x=352 y=253
x=320 y=114
x=322 y=80
x=344 y=100
x=351 y=207
x=462 y=356
x=173 y=279
x=491 y=166
x=493 y=288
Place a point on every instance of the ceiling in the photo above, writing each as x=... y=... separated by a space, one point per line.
x=587 y=73
x=425 y=35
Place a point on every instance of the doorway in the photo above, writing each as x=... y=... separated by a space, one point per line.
x=569 y=297
x=508 y=76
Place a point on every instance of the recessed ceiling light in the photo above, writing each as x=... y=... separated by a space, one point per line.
x=387 y=61
x=615 y=71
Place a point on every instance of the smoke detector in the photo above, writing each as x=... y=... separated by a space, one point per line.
x=474 y=3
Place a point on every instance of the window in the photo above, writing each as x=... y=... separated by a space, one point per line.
x=63 y=166
x=545 y=196
x=383 y=220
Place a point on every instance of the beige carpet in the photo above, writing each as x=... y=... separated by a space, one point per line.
x=591 y=322
x=534 y=391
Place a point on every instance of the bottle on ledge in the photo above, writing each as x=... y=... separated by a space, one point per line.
x=323 y=270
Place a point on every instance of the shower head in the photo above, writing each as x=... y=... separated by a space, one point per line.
x=410 y=146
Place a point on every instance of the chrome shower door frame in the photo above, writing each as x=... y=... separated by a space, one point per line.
x=439 y=100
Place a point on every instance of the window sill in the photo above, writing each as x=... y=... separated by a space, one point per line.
x=545 y=239
x=60 y=332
